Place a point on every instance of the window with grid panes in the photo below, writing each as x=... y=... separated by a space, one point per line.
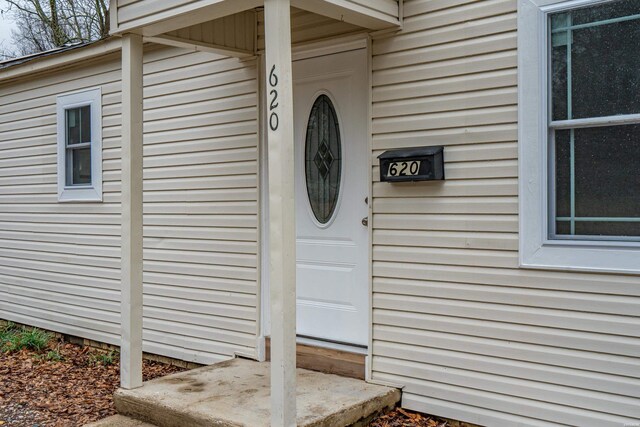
x=78 y=145
x=79 y=117
x=579 y=135
x=594 y=137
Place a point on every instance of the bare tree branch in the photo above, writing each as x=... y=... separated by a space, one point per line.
x=47 y=24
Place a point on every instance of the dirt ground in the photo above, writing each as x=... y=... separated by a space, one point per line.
x=46 y=382
x=404 y=418
x=37 y=390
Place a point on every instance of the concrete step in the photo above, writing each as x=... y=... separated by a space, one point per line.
x=119 y=421
x=237 y=393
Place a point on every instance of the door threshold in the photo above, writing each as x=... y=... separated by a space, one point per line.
x=327 y=357
x=332 y=345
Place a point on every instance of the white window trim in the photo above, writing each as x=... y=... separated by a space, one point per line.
x=536 y=249
x=88 y=193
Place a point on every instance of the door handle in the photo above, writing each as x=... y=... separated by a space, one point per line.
x=365 y=221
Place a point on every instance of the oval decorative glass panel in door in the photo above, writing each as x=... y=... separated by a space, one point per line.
x=323 y=159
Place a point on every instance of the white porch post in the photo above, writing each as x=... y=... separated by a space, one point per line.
x=131 y=299
x=282 y=229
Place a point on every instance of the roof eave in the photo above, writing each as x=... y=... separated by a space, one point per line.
x=56 y=59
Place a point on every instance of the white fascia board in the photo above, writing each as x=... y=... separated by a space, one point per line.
x=351 y=13
x=186 y=16
x=62 y=59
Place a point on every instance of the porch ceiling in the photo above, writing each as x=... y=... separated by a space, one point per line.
x=152 y=18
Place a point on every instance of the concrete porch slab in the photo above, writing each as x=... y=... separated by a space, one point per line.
x=236 y=393
x=119 y=421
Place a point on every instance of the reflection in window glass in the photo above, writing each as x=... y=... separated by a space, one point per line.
x=603 y=195
x=73 y=126
x=595 y=73
x=595 y=61
x=81 y=166
x=78 y=152
x=85 y=125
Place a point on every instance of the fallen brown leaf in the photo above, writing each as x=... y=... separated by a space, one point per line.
x=67 y=393
x=405 y=418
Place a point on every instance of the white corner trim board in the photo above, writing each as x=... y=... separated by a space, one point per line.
x=537 y=250
x=90 y=192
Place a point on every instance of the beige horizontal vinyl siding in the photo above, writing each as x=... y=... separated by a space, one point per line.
x=200 y=211
x=154 y=17
x=469 y=334
x=308 y=27
x=60 y=263
x=134 y=11
x=236 y=31
x=387 y=8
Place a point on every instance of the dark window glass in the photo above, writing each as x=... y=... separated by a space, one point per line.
x=85 y=123
x=605 y=182
x=595 y=62
x=563 y=171
x=81 y=160
x=594 y=73
x=563 y=227
x=604 y=12
x=559 y=78
x=323 y=159
x=73 y=126
x=607 y=228
x=78 y=152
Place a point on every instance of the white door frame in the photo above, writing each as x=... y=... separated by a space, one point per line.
x=299 y=52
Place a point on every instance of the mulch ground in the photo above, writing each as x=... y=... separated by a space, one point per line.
x=404 y=418
x=77 y=390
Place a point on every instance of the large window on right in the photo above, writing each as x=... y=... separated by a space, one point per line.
x=594 y=130
x=579 y=134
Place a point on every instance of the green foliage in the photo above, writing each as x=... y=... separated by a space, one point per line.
x=6 y=330
x=7 y=327
x=15 y=339
x=105 y=359
x=54 y=356
x=50 y=356
x=34 y=339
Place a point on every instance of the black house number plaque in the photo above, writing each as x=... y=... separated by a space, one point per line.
x=412 y=164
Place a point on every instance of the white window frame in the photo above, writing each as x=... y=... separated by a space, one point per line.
x=537 y=250
x=80 y=193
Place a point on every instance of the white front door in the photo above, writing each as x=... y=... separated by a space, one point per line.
x=332 y=173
